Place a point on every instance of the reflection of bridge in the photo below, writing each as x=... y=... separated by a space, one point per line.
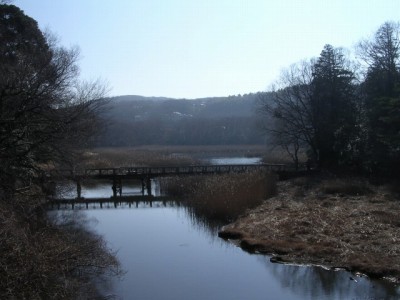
x=145 y=174
x=110 y=202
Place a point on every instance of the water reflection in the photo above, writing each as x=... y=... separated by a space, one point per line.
x=88 y=266
x=202 y=222
x=102 y=188
x=317 y=282
x=85 y=204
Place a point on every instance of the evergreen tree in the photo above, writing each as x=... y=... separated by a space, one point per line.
x=333 y=104
x=315 y=109
x=382 y=98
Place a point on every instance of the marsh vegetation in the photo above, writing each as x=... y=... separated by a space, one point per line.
x=169 y=155
x=222 y=197
x=346 y=223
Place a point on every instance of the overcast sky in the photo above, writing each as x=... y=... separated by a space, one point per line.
x=199 y=48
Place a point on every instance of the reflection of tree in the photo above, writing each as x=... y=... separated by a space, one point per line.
x=319 y=283
x=52 y=258
x=204 y=221
x=87 y=264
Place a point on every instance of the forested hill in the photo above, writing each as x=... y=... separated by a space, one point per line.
x=137 y=120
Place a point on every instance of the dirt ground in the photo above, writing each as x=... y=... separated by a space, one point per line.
x=345 y=223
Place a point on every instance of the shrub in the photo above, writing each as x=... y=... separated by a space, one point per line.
x=346 y=187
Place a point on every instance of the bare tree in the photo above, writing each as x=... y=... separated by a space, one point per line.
x=314 y=108
x=45 y=112
x=382 y=51
x=288 y=110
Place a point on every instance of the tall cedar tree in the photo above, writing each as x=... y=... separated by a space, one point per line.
x=333 y=104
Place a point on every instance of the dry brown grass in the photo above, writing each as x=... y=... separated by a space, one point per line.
x=161 y=155
x=345 y=187
x=133 y=157
x=359 y=232
x=223 y=196
x=279 y=156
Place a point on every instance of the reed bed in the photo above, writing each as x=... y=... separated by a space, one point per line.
x=163 y=155
x=133 y=157
x=223 y=196
x=279 y=156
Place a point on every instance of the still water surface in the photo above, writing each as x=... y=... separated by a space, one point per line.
x=168 y=252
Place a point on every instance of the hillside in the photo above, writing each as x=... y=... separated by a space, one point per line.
x=138 y=120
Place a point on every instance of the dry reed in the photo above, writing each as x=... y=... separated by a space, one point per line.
x=224 y=196
x=162 y=155
x=133 y=157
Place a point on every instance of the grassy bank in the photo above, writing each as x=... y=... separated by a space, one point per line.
x=339 y=223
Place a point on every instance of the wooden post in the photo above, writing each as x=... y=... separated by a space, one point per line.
x=120 y=187
x=148 y=186
x=78 y=188
x=114 y=187
x=143 y=186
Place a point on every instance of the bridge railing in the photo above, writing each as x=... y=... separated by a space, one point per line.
x=200 y=169
x=101 y=171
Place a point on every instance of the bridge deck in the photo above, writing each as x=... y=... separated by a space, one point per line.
x=152 y=172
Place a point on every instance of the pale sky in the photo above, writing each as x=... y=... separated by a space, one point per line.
x=201 y=48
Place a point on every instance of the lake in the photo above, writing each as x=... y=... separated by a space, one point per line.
x=168 y=252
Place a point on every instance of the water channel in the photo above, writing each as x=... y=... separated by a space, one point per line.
x=170 y=253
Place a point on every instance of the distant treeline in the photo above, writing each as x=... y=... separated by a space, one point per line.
x=136 y=120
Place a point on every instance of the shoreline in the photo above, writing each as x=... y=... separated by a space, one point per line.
x=339 y=224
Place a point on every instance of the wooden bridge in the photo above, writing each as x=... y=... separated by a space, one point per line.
x=140 y=172
x=146 y=174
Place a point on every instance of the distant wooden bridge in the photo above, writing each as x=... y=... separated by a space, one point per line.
x=146 y=174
